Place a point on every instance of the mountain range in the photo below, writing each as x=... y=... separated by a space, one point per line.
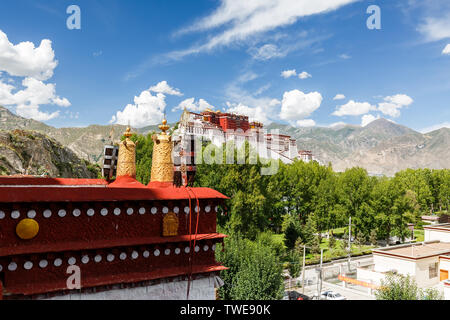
x=382 y=147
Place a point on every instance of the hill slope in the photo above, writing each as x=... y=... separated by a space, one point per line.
x=31 y=153
x=382 y=147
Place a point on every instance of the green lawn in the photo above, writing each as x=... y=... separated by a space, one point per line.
x=328 y=254
x=420 y=235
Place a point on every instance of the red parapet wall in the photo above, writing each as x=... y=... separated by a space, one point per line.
x=63 y=225
x=44 y=273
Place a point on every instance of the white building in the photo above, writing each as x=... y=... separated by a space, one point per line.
x=220 y=128
x=437 y=232
x=427 y=262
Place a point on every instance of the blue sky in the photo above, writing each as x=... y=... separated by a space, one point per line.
x=131 y=60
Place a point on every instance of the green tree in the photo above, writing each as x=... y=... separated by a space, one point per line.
x=356 y=187
x=373 y=237
x=294 y=266
x=255 y=272
x=292 y=230
x=332 y=241
x=400 y=287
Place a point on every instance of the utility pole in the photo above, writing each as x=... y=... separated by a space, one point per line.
x=303 y=269
x=319 y=282
x=321 y=271
x=349 y=241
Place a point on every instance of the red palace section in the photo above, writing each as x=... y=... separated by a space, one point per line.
x=113 y=231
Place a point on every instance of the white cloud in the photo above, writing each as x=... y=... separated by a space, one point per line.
x=35 y=65
x=368 y=118
x=288 y=73
x=344 y=56
x=446 y=49
x=306 y=123
x=191 y=105
x=436 y=28
x=390 y=109
x=163 y=87
x=337 y=124
x=339 y=97
x=147 y=110
x=25 y=60
x=353 y=108
x=297 y=105
x=304 y=75
x=28 y=100
x=245 y=19
x=394 y=103
x=266 y=52
x=260 y=108
x=435 y=127
x=253 y=113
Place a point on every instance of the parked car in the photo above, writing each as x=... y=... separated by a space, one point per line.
x=294 y=295
x=331 y=295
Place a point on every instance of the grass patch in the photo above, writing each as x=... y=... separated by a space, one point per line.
x=419 y=235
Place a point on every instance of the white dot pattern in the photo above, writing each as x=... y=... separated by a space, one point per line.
x=43 y=263
x=31 y=214
x=85 y=259
x=76 y=212
x=15 y=214
x=47 y=213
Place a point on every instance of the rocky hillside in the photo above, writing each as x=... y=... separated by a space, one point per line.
x=382 y=147
x=32 y=153
x=87 y=143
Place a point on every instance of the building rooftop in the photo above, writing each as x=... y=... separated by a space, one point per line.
x=442 y=226
x=416 y=250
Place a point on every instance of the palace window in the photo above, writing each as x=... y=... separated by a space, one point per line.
x=433 y=270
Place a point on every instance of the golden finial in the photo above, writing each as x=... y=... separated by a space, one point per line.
x=126 y=164
x=164 y=127
x=162 y=164
x=128 y=133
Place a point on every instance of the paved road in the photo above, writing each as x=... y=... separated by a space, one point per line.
x=350 y=294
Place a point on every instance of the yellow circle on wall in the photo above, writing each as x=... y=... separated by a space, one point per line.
x=27 y=229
